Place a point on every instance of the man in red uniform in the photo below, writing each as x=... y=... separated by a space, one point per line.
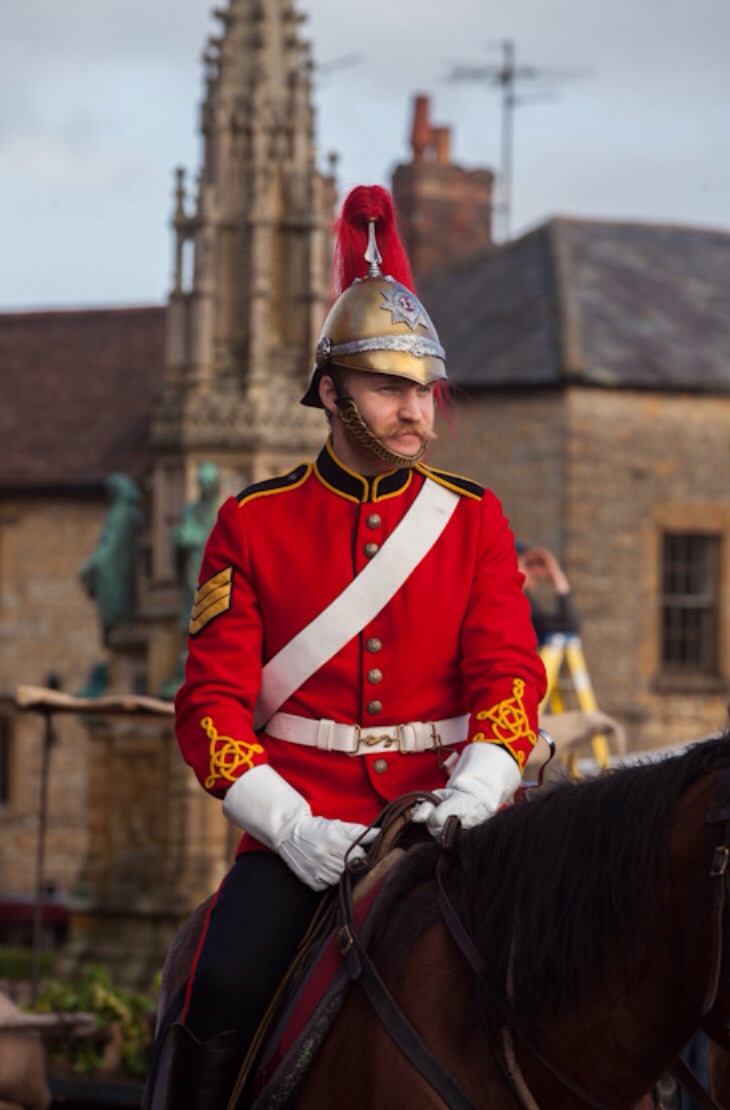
x=359 y=632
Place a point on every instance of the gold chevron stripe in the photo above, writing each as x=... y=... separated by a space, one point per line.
x=220 y=578
x=211 y=598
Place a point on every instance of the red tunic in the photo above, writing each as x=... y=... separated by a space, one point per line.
x=456 y=638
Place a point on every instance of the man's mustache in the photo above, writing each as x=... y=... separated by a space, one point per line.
x=398 y=429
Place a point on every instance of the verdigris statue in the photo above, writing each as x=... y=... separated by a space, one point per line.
x=109 y=574
x=190 y=535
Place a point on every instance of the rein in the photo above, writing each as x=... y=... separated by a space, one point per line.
x=362 y=969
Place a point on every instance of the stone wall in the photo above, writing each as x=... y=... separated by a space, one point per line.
x=47 y=626
x=514 y=443
x=639 y=464
x=131 y=837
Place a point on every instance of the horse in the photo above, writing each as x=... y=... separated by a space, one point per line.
x=589 y=945
x=558 y=957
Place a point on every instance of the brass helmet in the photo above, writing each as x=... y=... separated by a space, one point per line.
x=377 y=323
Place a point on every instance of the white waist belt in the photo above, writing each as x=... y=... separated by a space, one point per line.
x=330 y=736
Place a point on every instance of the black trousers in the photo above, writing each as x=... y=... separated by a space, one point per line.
x=261 y=913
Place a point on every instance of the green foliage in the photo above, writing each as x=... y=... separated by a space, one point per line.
x=17 y=963
x=117 y=1012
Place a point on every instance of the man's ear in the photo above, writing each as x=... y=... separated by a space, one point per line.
x=328 y=393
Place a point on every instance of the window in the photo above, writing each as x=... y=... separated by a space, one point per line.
x=690 y=603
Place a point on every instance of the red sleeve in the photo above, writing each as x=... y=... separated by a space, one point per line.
x=504 y=678
x=214 y=706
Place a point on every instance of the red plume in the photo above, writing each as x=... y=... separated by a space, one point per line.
x=362 y=204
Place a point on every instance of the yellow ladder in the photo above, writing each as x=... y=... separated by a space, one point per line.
x=558 y=650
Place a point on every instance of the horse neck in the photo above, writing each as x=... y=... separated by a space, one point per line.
x=438 y=987
x=648 y=1002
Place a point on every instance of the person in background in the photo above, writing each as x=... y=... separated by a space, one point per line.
x=540 y=566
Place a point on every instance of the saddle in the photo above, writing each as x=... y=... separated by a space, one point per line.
x=313 y=990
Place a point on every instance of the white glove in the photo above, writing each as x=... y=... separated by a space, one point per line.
x=485 y=776
x=316 y=848
x=266 y=806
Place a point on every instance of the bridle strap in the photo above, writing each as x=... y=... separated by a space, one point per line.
x=362 y=969
x=454 y=924
x=682 y=1073
x=507 y=1059
x=719 y=875
x=459 y=934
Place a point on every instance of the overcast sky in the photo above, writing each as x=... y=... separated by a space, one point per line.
x=99 y=101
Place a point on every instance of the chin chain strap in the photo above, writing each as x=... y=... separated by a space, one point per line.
x=353 y=421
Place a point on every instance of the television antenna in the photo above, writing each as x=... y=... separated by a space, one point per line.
x=505 y=76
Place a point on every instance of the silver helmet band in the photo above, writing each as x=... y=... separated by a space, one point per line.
x=416 y=345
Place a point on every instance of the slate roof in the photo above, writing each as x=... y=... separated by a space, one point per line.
x=77 y=390
x=625 y=305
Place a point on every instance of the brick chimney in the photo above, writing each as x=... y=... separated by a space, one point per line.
x=446 y=210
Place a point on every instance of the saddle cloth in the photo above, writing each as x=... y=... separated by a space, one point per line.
x=313 y=995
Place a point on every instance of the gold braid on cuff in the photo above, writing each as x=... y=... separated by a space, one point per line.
x=229 y=758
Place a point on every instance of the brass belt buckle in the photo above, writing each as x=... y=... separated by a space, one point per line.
x=370 y=739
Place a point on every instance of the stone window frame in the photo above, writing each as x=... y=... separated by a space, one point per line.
x=699 y=519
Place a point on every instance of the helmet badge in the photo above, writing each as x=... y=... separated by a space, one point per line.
x=404 y=308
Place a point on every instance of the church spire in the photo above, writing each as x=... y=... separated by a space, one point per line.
x=247 y=322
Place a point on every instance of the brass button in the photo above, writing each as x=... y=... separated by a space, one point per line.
x=374 y=521
x=375 y=707
x=380 y=766
x=371 y=549
x=373 y=644
x=375 y=675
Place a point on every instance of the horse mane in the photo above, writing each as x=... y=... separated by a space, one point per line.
x=551 y=887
